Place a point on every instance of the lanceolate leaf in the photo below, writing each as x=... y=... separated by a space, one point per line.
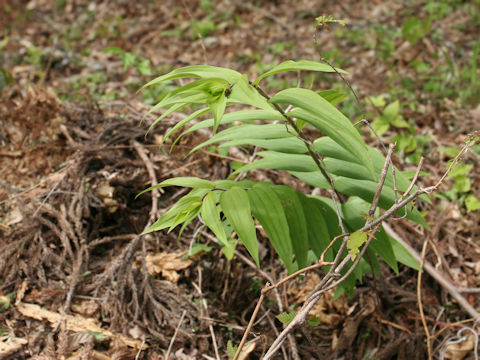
x=228 y=184
x=198 y=71
x=403 y=255
x=318 y=235
x=236 y=207
x=297 y=223
x=211 y=217
x=183 y=207
x=218 y=108
x=267 y=208
x=185 y=121
x=291 y=65
x=327 y=208
x=281 y=161
x=244 y=116
x=317 y=111
x=191 y=182
x=246 y=94
x=290 y=145
x=332 y=96
x=313 y=178
x=267 y=131
x=169 y=111
x=329 y=148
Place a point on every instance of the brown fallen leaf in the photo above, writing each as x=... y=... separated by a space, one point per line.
x=75 y=323
x=459 y=350
x=167 y=265
x=10 y=346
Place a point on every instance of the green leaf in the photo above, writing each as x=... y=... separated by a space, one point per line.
x=198 y=247
x=403 y=255
x=236 y=207
x=380 y=125
x=128 y=59
x=354 y=242
x=198 y=71
x=450 y=151
x=267 y=131
x=391 y=110
x=211 y=217
x=228 y=184
x=184 y=204
x=281 y=161
x=231 y=349
x=459 y=170
x=246 y=94
x=472 y=203
x=144 y=67
x=462 y=184
x=218 y=109
x=332 y=96
x=172 y=109
x=318 y=112
x=244 y=116
x=318 y=235
x=186 y=181
x=414 y=29
x=286 y=318
x=329 y=148
x=186 y=217
x=184 y=122
x=291 y=65
x=399 y=122
x=297 y=223
x=378 y=101
x=313 y=178
x=290 y=145
x=268 y=210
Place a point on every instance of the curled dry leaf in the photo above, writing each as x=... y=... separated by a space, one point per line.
x=459 y=350
x=167 y=265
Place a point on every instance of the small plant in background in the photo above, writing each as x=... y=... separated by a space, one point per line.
x=462 y=183
x=5 y=75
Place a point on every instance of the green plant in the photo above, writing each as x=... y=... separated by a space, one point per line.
x=301 y=228
x=5 y=75
x=462 y=183
x=389 y=115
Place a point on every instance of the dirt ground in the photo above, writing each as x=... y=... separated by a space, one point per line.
x=76 y=279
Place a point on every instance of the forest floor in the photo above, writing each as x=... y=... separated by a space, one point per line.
x=76 y=279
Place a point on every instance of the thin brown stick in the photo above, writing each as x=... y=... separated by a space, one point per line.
x=205 y=307
x=250 y=325
x=414 y=180
x=329 y=246
x=381 y=182
x=420 y=303
x=153 y=179
x=396 y=326
x=175 y=335
x=295 y=274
